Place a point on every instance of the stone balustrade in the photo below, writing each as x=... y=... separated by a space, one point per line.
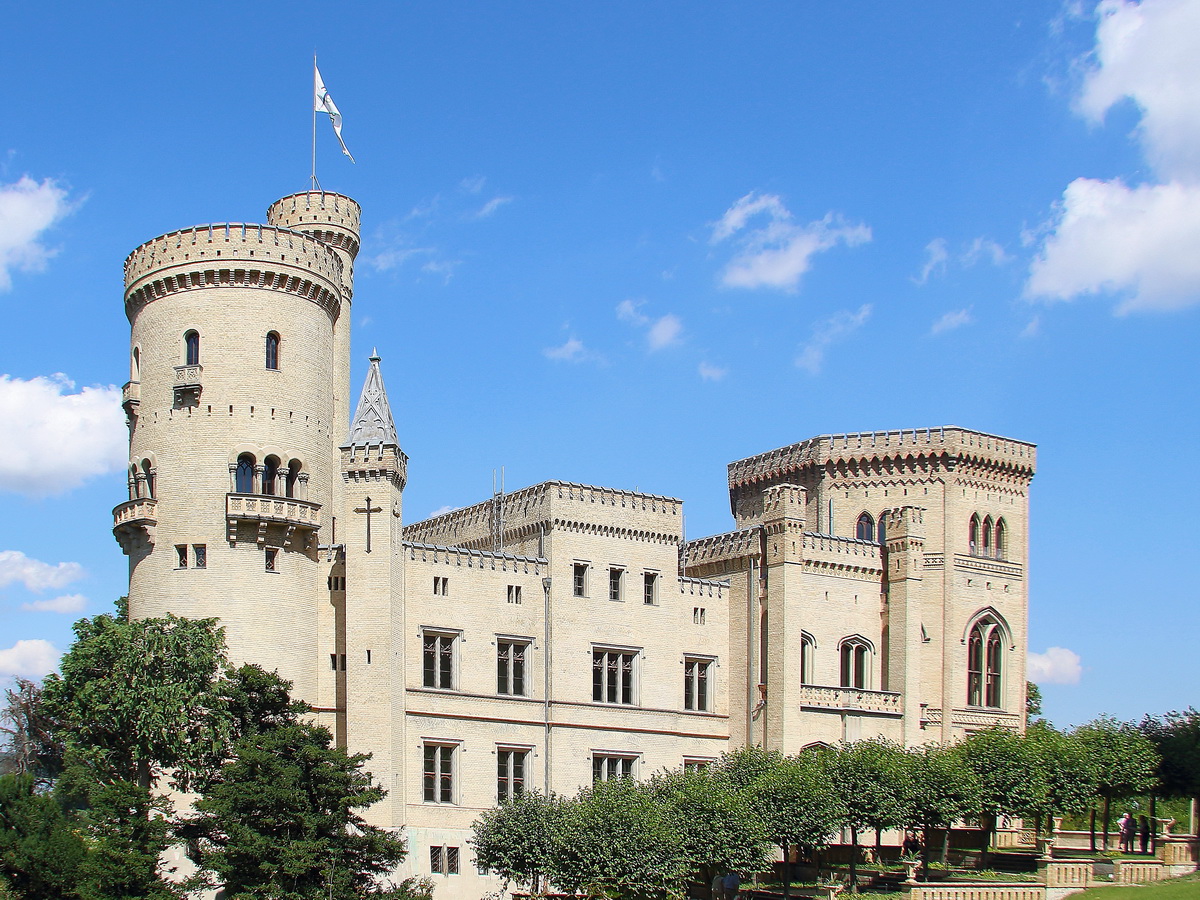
x=1068 y=873
x=1138 y=871
x=975 y=891
x=849 y=698
x=135 y=521
x=266 y=510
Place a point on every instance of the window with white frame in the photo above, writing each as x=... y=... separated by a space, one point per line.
x=616 y=577
x=613 y=676
x=443 y=860
x=514 y=593
x=579 y=579
x=696 y=684
x=510 y=772
x=438 y=774
x=510 y=667
x=855 y=656
x=808 y=649
x=650 y=588
x=437 y=658
x=611 y=766
x=697 y=615
x=441 y=586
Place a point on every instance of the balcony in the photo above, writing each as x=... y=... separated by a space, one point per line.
x=131 y=399
x=850 y=699
x=134 y=523
x=189 y=382
x=298 y=519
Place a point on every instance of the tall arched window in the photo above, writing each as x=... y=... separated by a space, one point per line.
x=191 y=348
x=881 y=531
x=973 y=535
x=855 y=657
x=986 y=539
x=865 y=530
x=148 y=474
x=270 y=474
x=985 y=662
x=272 y=350
x=808 y=647
x=293 y=473
x=1001 y=539
x=244 y=477
x=135 y=364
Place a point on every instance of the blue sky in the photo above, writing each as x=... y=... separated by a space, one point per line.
x=626 y=243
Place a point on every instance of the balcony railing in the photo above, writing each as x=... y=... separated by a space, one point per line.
x=266 y=510
x=189 y=382
x=135 y=520
x=849 y=698
x=131 y=398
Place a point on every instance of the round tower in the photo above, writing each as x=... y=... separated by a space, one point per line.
x=237 y=405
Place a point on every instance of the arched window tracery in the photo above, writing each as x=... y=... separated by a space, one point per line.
x=855 y=657
x=244 y=474
x=985 y=664
x=865 y=529
x=272 y=350
x=987 y=537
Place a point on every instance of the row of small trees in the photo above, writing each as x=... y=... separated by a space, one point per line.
x=638 y=840
x=152 y=703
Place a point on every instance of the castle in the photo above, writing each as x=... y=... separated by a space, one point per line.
x=874 y=583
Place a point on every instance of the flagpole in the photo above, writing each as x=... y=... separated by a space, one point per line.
x=314 y=125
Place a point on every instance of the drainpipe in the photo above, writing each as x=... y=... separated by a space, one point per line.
x=546 y=632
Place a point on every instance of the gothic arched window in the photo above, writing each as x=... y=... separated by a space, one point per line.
x=985 y=663
x=987 y=537
x=808 y=647
x=293 y=473
x=881 y=531
x=1001 y=539
x=272 y=350
x=855 y=657
x=148 y=474
x=973 y=535
x=270 y=474
x=244 y=476
x=865 y=530
x=191 y=348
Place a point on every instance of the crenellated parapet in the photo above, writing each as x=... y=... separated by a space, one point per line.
x=476 y=559
x=379 y=462
x=848 y=557
x=233 y=255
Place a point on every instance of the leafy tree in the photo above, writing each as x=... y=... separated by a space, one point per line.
x=516 y=839
x=1125 y=759
x=40 y=853
x=614 y=838
x=32 y=747
x=1069 y=775
x=1177 y=738
x=943 y=790
x=1033 y=702
x=798 y=804
x=872 y=781
x=277 y=819
x=719 y=831
x=744 y=766
x=1008 y=774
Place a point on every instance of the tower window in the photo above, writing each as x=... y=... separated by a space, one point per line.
x=650 y=589
x=808 y=648
x=293 y=473
x=244 y=475
x=865 y=529
x=973 y=535
x=271 y=557
x=985 y=661
x=191 y=348
x=855 y=663
x=270 y=475
x=272 y=350
x=1001 y=539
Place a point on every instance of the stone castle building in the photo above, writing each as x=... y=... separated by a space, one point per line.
x=873 y=584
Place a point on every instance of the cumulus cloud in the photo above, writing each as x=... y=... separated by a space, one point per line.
x=827 y=332
x=1057 y=665
x=956 y=318
x=41 y=416
x=661 y=332
x=778 y=251
x=67 y=603
x=1138 y=242
x=37 y=576
x=27 y=210
x=572 y=350
x=32 y=659
x=710 y=372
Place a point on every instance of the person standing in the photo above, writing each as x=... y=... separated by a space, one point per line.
x=1144 y=833
x=718 y=886
x=1125 y=825
x=732 y=884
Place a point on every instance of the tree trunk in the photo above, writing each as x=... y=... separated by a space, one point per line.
x=1092 y=826
x=879 y=846
x=1153 y=846
x=925 y=853
x=854 y=859
x=1106 y=813
x=946 y=847
x=787 y=872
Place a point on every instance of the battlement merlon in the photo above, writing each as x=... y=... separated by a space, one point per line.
x=1015 y=457
x=557 y=504
x=333 y=219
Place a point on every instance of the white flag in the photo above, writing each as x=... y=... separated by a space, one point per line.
x=322 y=102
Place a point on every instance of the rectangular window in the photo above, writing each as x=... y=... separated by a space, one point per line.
x=514 y=593
x=270 y=559
x=609 y=767
x=612 y=676
x=333 y=661
x=698 y=615
x=181 y=552
x=510 y=667
x=200 y=555
x=437 y=651
x=510 y=773
x=441 y=586
x=439 y=773
x=579 y=579
x=650 y=588
x=443 y=860
x=695 y=764
x=615 y=577
x=695 y=684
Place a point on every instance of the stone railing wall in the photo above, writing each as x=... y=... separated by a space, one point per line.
x=143 y=509
x=977 y=891
x=1136 y=871
x=1068 y=873
x=260 y=507
x=848 y=698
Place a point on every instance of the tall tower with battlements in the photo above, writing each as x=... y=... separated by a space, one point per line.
x=237 y=405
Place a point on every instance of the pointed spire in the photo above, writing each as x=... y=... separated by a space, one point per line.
x=373 y=424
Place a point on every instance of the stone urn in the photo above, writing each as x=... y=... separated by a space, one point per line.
x=910 y=868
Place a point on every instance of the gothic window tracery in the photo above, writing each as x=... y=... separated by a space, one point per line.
x=985 y=662
x=855 y=655
x=272 y=350
x=865 y=529
x=244 y=474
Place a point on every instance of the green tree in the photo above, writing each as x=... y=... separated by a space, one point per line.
x=1068 y=776
x=615 y=839
x=719 y=831
x=29 y=730
x=1008 y=774
x=1033 y=702
x=943 y=790
x=798 y=804
x=746 y=765
x=1126 y=762
x=1177 y=739
x=516 y=839
x=872 y=781
x=40 y=853
x=278 y=819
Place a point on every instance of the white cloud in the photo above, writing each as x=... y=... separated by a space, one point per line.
x=984 y=248
x=33 y=659
x=472 y=185
x=36 y=575
x=38 y=418
x=777 y=253
x=571 y=350
x=1140 y=242
x=936 y=255
x=956 y=318
x=1057 y=665
x=441 y=511
x=27 y=210
x=491 y=206
x=1033 y=329
x=712 y=373
x=627 y=311
x=661 y=332
x=394 y=257
x=67 y=603
x=828 y=331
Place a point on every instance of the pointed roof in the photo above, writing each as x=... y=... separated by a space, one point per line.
x=373 y=423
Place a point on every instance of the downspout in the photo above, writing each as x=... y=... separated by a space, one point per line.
x=546 y=637
x=751 y=644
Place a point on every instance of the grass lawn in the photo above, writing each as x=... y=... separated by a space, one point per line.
x=1185 y=888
